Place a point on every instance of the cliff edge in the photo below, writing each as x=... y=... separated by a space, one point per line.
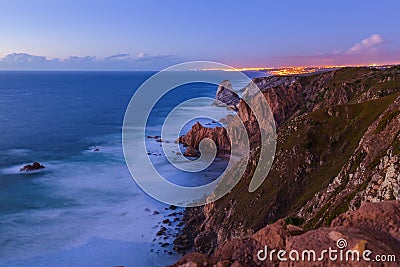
x=338 y=147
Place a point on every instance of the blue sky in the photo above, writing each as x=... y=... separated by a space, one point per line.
x=154 y=34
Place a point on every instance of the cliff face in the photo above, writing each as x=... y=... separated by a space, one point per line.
x=372 y=173
x=374 y=227
x=338 y=147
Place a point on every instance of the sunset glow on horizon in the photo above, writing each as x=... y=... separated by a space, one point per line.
x=77 y=35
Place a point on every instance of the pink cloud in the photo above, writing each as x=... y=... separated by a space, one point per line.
x=368 y=50
x=367 y=45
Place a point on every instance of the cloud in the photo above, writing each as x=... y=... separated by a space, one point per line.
x=370 y=50
x=123 y=61
x=367 y=45
x=143 y=55
x=117 y=57
x=23 y=58
x=80 y=59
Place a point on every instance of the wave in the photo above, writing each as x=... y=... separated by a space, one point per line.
x=89 y=196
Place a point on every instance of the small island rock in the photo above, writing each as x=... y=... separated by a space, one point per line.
x=34 y=167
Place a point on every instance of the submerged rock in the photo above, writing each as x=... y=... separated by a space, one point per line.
x=153 y=136
x=34 y=167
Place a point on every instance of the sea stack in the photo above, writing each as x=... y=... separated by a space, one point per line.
x=226 y=96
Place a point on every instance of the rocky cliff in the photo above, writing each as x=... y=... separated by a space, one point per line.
x=338 y=147
x=373 y=227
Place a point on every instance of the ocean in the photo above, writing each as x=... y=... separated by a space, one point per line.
x=84 y=208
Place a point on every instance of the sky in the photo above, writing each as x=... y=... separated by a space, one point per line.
x=147 y=34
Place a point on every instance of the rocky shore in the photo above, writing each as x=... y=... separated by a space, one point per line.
x=338 y=150
x=169 y=225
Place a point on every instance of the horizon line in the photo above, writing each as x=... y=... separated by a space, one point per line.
x=316 y=67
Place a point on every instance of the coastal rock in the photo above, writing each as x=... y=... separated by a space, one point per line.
x=274 y=235
x=34 y=167
x=198 y=132
x=226 y=96
x=283 y=96
x=205 y=242
x=191 y=152
x=374 y=227
x=154 y=136
x=191 y=219
x=238 y=250
x=381 y=219
x=193 y=259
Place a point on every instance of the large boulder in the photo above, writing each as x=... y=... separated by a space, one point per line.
x=226 y=96
x=34 y=167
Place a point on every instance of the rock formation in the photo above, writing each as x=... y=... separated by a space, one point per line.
x=191 y=152
x=198 y=132
x=226 y=96
x=375 y=226
x=34 y=167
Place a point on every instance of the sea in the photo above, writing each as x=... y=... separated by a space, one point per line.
x=84 y=208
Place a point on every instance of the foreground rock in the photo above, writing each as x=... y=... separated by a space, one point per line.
x=226 y=96
x=374 y=227
x=34 y=167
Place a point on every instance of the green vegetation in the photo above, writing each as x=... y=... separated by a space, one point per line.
x=339 y=209
x=334 y=139
x=376 y=161
x=396 y=146
x=387 y=118
x=307 y=144
x=388 y=85
x=294 y=221
x=350 y=74
x=329 y=138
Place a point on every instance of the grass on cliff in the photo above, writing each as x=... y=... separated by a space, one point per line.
x=330 y=139
x=335 y=138
x=356 y=81
x=386 y=120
